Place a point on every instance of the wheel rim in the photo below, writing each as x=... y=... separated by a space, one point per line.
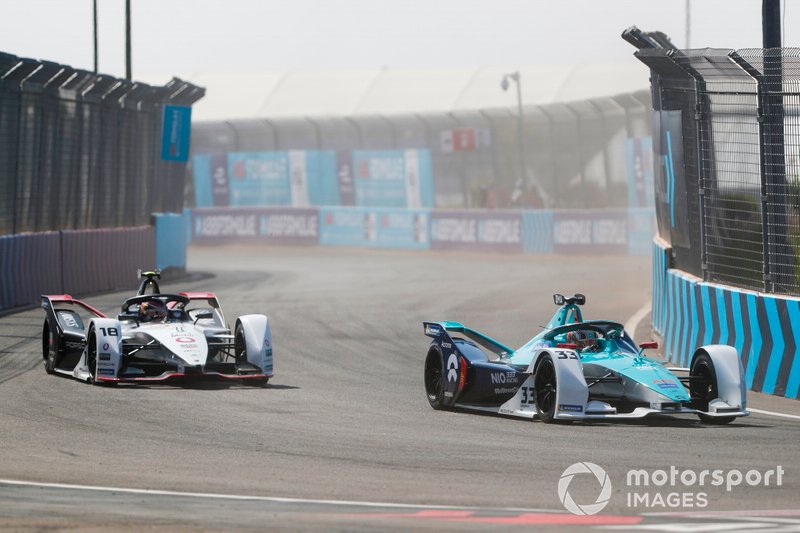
x=433 y=381
x=545 y=386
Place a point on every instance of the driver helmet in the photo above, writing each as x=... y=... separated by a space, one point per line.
x=152 y=310
x=583 y=339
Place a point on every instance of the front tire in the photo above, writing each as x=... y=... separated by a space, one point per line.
x=703 y=389
x=545 y=385
x=434 y=383
x=240 y=345
x=91 y=357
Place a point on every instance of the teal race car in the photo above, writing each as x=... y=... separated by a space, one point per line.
x=578 y=370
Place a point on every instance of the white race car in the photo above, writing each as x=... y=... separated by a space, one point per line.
x=156 y=337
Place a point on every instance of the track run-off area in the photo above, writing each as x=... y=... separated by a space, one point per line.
x=343 y=438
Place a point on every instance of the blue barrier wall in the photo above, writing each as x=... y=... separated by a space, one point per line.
x=689 y=312
x=660 y=266
x=171 y=240
x=537 y=231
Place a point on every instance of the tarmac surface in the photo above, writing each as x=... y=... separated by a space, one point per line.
x=342 y=438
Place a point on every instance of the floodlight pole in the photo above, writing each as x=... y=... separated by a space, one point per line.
x=94 y=22
x=515 y=77
x=778 y=254
x=128 y=39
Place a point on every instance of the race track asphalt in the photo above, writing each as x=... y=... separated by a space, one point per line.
x=345 y=418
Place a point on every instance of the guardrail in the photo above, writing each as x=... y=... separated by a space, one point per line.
x=71 y=261
x=688 y=312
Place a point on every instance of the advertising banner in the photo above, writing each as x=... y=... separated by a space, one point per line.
x=268 y=225
x=344 y=174
x=590 y=231
x=298 y=178
x=177 y=129
x=379 y=227
x=476 y=230
x=393 y=178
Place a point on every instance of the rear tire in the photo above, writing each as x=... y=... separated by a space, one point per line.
x=545 y=384
x=703 y=389
x=434 y=384
x=48 y=339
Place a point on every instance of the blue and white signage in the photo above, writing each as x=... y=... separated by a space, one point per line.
x=176 y=133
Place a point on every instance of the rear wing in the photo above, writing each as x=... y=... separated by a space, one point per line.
x=49 y=299
x=442 y=329
x=211 y=299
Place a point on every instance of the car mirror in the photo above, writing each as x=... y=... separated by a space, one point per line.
x=558 y=299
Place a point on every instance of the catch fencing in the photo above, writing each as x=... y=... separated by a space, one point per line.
x=82 y=150
x=727 y=172
x=593 y=153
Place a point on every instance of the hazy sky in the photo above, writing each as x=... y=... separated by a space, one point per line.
x=183 y=37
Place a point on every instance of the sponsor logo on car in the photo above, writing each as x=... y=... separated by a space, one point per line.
x=185 y=340
x=452 y=367
x=665 y=384
x=104 y=356
x=106 y=371
x=504 y=377
x=74 y=345
x=446 y=345
x=433 y=330
x=570 y=408
x=69 y=320
x=105 y=346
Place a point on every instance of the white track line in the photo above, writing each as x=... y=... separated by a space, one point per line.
x=633 y=322
x=155 y=492
x=773 y=413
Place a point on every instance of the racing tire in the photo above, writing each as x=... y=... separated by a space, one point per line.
x=703 y=389
x=545 y=384
x=239 y=345
x=434 y=382
x=91 y=362
x=48 y=339
x=91 y=358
